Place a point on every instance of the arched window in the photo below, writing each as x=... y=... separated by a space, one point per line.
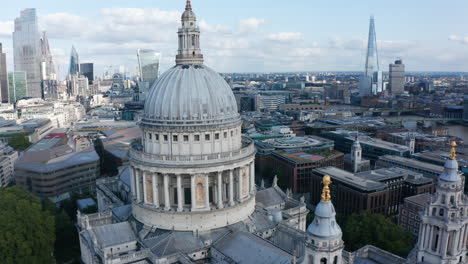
x=441 y=212
x=323 y=261
x=335 y=260
x=433 y=211
x=452 y=200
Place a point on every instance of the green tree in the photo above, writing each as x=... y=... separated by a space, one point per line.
x=366 y=228
x=19 y=142
x=27 y=232
x=67 y=245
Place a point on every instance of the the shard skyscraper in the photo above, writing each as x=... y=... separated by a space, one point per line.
x=371 y=81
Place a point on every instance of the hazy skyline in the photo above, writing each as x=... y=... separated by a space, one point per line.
x=255 y=36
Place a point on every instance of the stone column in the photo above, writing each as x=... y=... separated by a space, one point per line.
x=460 y=237
x=167 y=205
x=422 y=234
x=180 y=207
x=145 y=194
x=137 y=185
x=427 y=236
x=154 y=182
x=133 y=183
x=443 y=242
x=231 y=188
x=239 y=183
x=464 y=236
x=220 y=189
x=252 y=176
x=192 y=190
x=431 y=236
x=207 y=191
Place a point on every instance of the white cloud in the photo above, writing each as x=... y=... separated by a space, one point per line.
x=461 y=39
x=6 y=28
x=250 y=24
x=354 y=43
x=286 y=36
x=245 y=45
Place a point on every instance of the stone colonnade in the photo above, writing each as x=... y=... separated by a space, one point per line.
x=193 y=192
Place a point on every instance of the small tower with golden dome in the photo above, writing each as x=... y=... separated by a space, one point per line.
x=324 y=242
x=444 y=223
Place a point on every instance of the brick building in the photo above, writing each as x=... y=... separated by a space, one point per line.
x=408 y=217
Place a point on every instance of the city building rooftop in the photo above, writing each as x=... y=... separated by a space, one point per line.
x=306 y=156
x=351 y=179
x=366 y=140
x=413 y=163
x=420 y=199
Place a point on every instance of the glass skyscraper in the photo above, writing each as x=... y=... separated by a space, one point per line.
x=371 y=81
x=87 y=70
x=18 y=85
x=148 y=66
x=27 y=50
x=74 y=62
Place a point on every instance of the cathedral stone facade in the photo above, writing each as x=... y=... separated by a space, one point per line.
x=189 y=195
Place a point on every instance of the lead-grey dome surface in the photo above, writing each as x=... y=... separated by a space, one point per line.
x=190 y=94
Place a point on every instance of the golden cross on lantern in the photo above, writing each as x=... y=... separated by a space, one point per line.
x=326 y=196
x=453 y=151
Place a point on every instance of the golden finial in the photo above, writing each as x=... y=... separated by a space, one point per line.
x=453 y=151
x=326 y=196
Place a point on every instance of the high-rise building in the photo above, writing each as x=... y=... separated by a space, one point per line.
x=18 y=86
x=148 y=67
x=371 y=81
x=148 y=62
x=27 y=50
x=444 y=222
x=74 y=62
x=3 y=77
x=397 y=77
x=87 y=70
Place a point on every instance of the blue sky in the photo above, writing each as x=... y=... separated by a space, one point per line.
x=256 y=35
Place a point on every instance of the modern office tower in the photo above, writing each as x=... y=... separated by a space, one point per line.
x=148 y=62
x=397 y=77
x=148 y=67
x=27 y=50
x=87 y=70
x=18 y=86
x=74 y=62
x=3 y=77
x=371 y=81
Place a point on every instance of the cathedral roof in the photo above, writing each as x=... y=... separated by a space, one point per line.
x=190 y=94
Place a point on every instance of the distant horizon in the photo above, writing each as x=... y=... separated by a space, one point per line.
x=247 y=37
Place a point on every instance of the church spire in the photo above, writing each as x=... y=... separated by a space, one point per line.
x=326 y=196
x=189 y=51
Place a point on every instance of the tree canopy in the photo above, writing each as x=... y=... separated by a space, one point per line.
x=19 y=142
x=27 y=231
x=366 y=228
